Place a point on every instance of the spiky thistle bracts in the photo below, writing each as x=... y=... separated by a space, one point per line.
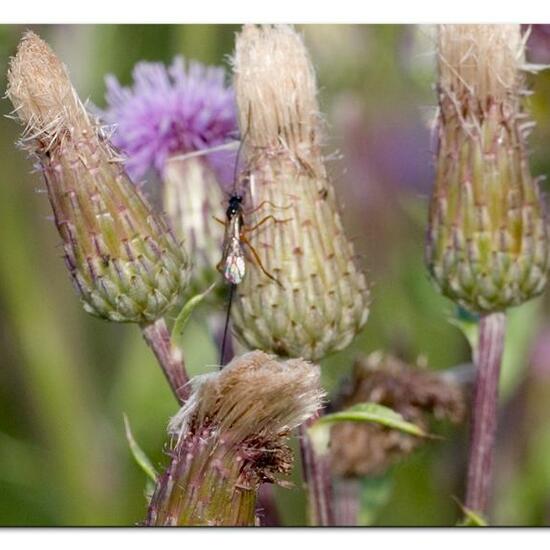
x=123 y=259
x=230 y=436
x=319 y=300
x=487 y=241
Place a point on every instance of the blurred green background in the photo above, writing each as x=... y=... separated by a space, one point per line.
x=66 y=378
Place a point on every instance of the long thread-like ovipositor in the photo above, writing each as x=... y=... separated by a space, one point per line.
x=226 y=325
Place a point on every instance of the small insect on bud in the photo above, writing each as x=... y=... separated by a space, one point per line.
x=123 y=259
x=315 y=298
x=230 y=436
x=415 y=393
x=487 y=241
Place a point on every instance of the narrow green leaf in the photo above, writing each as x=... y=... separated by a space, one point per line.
x=469 y=325
x=149 y=490
x=363 y=412
x=139 y=456
x=471 y=517
x=186 y=310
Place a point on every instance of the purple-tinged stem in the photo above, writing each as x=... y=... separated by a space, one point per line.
x=492 y=329
x=203 y=485
x=317 y=476
x=169 y=357
x=266 y=508
x=347 y=504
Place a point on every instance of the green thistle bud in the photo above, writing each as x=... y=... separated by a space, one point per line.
x=487 y=242
x=231 y=436
x=123 y=259
x=319 y=300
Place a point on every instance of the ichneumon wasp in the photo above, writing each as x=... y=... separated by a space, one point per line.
x=232 y=265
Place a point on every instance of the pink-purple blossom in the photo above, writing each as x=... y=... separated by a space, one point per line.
x=179 y=109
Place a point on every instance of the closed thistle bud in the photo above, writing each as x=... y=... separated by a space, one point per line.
x=319 y=300
x=231 y=436
x=123 y=259
x=487 y=241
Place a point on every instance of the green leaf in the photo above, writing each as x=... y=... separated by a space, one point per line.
x=149 y=490
x=471 y=517
x=319 y=432
x=139 y=455
x=469 y=325
x=186 y=310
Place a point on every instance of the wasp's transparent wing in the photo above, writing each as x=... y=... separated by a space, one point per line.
x=233 y=264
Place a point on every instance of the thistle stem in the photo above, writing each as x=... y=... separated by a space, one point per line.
x=484 y=415
x=202 y=486
x=318 y=479
x=169 y=357
x=266 y=508
x=347 y=503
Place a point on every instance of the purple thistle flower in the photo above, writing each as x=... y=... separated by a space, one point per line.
x=184 y=108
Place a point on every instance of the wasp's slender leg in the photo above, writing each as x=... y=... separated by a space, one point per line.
x=263 y=203
x=259 y=262
x=219 y=266
x=270 y=217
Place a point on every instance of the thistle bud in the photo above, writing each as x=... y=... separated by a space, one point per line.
x=487 y=242
x=319 y=298
x=415 y=393
x=124 y=261
x=230 y=436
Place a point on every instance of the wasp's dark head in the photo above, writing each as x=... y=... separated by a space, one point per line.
x=235 y=206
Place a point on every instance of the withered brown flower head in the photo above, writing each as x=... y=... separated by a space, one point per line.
x=230 y=436
x=362 y=449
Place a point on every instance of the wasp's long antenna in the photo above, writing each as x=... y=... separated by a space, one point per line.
x=207 y=151
x=226 y=327
x=239 y=150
